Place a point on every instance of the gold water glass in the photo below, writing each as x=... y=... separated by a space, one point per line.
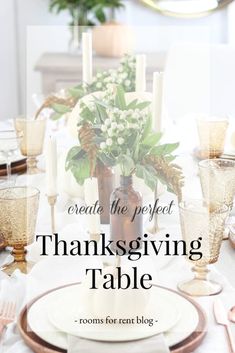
x=18 y=215
x=217 y=178
x=31 y=145
x=212 y=134
x=198 y=220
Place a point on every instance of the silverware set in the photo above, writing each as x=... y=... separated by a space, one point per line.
x=222 y=318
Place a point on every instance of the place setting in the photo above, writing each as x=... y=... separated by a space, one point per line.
x=46 y=322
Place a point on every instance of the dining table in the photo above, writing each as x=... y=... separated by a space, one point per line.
x=49 y=271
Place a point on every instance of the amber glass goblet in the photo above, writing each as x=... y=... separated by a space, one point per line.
x=31 y=144
x=212 y=134
x=19 y=209
x=198 y=220
x=217 y=178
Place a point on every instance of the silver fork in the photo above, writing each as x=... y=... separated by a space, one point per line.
x=7 y=314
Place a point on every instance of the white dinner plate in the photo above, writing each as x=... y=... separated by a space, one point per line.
x=65 y=314
x=38 y=319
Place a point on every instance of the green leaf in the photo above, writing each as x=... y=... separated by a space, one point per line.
x=127 y=165
x=100 y=15
x=147 y=128
x=81 y=170
x=120 y=101
x=87 y=115
x=148 y=175
x=152 y=139
x=107 y=160
x=136 y=152
x=55 y=116
x=74 y=151
x=76 y=92
x=132 y=139
x=143 y=105
x=143 y=151
x=60 y=108
x=101 y=113
x=74 y=154
x=164 y=149
x=132 y=105
x=100 y=102
x=170 y=158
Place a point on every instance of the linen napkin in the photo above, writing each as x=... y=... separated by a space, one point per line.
x=154 y=344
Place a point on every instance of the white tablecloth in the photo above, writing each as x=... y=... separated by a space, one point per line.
x=50 y=272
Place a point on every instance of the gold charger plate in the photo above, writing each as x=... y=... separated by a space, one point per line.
x=38 y=345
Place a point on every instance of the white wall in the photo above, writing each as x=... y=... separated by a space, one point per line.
x=161 y=31
x=231 y=23
x=8 y=62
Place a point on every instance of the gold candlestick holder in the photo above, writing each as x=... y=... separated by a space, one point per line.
x=154 y=227
x=94 y=236
x=52 y=201
x=118 y=261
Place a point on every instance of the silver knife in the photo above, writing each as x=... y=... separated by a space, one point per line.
x=221 y=319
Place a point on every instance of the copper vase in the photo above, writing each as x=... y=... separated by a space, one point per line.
x=106 y=184
x=123 y=226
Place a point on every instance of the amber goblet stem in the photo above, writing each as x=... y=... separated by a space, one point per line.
x=19 y=253
x=201 y=272
x=20 y=262
x=31 y=165
x=52 y=201
x=200 y=285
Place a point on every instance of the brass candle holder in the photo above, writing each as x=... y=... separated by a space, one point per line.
x=118 y=261
x=52 y=201
x=94 y=236
x=154 y=227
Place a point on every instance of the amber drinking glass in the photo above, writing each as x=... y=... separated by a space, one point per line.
x=212 y=133
x=19 y=209
x=217 y=178
x=31 y=144
x=198 y=220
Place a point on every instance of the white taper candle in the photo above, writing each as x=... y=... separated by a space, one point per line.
x=157 y=105
x=91 y=196
x=140 y=81
x=87 y=58
x=51 y=167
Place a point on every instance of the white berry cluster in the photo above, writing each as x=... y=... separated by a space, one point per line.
x=120 y=125
x=124 y=75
